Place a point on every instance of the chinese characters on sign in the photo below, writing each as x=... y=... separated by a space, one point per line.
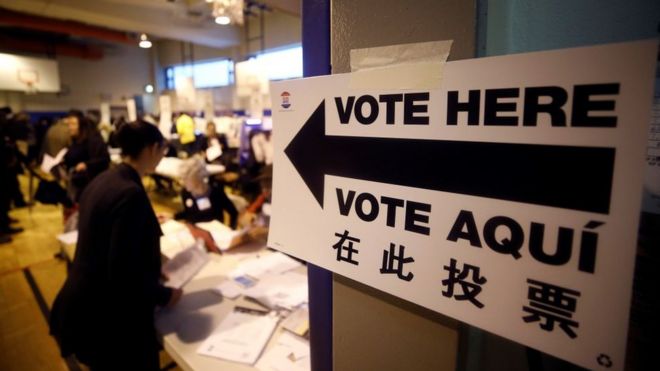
x=548 y=304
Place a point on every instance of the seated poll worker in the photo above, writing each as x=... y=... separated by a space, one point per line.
x=104 y=313
x=204 y=198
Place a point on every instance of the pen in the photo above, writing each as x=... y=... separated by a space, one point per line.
x=251 y=310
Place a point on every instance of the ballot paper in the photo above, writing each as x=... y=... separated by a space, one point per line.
x=290 y=353
x=68 y=238
x=50 y=162
x=213 y=152
x=224 y=237
x=172 y=226
x=184 y=266
x=229 y=289
x=241 y=337
x=298 y=322
x=287 y=290
x=265 y=265
x=176 y=238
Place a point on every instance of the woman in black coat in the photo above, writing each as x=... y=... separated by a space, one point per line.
x=87 y=156
x=104 y=314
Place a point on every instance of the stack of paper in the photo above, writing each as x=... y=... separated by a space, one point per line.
x=225 y=238
x=265 y=265
x=241 y=337
x=287 y=290
x=290 y=353
x=183 y=266
x=176 y=238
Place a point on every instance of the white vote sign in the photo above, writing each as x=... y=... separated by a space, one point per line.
x=508 y=198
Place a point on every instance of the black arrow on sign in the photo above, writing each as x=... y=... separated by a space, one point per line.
x=578 y=178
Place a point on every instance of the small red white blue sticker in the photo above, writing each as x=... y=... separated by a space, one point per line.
x=285 y=99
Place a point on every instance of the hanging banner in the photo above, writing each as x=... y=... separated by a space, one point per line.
x=165 y=123
x=105 y=113
x=508 y=198
x=131 y=108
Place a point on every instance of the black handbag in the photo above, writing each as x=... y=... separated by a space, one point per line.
x=50 y=192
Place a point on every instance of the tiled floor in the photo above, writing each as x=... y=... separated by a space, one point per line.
x=25 y=344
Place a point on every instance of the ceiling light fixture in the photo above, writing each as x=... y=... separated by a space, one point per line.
x=228 y=11
x=222 y=19
x=144 y=41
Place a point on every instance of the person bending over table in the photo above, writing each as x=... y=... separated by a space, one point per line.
x=204 y=198
x=104 y=313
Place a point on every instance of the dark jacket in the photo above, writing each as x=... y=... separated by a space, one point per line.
x=94 y=153
x=104 y=314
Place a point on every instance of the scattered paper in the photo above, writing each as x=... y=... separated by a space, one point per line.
x=172 y=226
x=68 y=238
x=171 y=245
x=176 y=238
x=298 y=322
x=184 y=266
x=229 y=289
x=224 y=237
x=264 y=265
x=50 y=162
x=241 y=337
x=289 y=354
x=287 y=290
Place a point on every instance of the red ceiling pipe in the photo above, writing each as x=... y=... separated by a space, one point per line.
x=22 y=20
x=40 y=47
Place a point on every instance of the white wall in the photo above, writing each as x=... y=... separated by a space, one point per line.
x=123 y=72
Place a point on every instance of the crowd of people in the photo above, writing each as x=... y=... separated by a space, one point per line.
x=86 y=145
x=116 y=271
x=13 y=130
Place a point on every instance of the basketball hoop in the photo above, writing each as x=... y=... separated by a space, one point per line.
x=29 y=78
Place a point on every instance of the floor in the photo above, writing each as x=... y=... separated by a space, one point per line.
x=30 y=277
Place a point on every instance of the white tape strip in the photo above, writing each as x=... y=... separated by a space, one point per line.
x=405 y=66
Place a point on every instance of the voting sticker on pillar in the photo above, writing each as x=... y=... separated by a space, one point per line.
x=507 y=198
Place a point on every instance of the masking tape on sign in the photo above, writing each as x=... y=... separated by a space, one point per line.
x=404 y=66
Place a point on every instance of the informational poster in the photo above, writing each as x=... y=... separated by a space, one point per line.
x=165 y=124
x=132 y=109
x=507 y=198
x=105 y=113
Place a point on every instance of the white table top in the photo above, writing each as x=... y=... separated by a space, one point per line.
x=171 y=168
x=185 y=327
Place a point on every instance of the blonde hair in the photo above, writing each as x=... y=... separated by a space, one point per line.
x=193 y=170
